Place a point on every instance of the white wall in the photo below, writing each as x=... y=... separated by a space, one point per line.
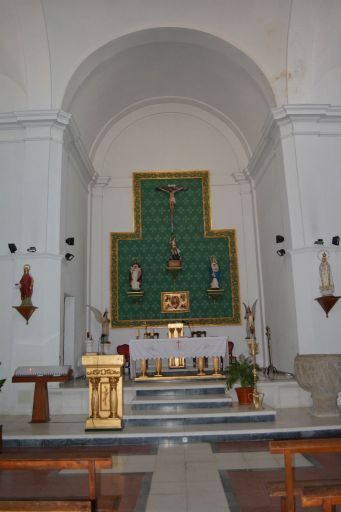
x=32 y=164
x=74 y=223
x=297 y=187
x=272 y=211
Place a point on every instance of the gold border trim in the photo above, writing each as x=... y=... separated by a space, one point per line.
x=228 y=234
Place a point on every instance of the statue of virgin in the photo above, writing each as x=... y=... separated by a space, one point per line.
x=326 y=278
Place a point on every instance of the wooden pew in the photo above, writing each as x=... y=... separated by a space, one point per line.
x=278 y=489
x=326 y=496
x=288 y=448
x=48 y=460
x=45 y=506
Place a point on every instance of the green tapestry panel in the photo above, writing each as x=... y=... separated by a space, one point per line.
x=150 y=245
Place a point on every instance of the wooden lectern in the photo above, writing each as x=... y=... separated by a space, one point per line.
x=105 y=375
x=41 y=375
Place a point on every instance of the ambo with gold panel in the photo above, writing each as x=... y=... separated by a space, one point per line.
x=105 y=377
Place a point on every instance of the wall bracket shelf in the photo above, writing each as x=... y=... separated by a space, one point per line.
x=327 y=302
x=215 y=293
x=136 y=296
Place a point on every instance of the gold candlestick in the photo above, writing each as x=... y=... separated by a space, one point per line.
x=257 y=397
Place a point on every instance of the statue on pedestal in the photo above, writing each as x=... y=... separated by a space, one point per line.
x=250 y=315
x=214 y=273
x=135 y=276
x=326 y=278
x=26 y=286
x=104 y=321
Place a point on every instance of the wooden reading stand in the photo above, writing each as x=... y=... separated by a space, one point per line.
x=41 y=375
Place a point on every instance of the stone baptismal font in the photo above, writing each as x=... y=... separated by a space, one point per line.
x=320 y=374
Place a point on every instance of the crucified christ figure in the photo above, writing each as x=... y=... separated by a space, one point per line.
x=171 y=190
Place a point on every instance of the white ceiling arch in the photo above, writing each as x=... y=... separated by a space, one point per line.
x=233 y=141
x=167 y=63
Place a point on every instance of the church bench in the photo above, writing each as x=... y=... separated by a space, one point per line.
x=34 y=505
x=58 y=460
x=278 y=489
x=288 y=448
x=325 y=496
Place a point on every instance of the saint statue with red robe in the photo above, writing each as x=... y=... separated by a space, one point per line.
x=26 y=286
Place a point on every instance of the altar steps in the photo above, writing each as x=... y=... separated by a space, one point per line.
x=166 y=413
x=179 y=404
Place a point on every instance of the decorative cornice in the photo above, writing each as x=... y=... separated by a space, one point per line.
x=34 y=117
x=50 y=119
x=242 y=178
x=294 y=120
x=100 y=181
x=307 y=112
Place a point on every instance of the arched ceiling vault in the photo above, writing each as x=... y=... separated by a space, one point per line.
x=150 y=65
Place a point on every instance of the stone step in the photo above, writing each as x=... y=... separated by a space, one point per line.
x=172 y=402
x=180 y=391
x=192 y=416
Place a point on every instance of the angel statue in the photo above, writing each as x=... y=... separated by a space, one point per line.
x=104 y=321
x=250 y=315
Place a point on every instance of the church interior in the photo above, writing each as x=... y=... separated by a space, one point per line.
x=170 y=208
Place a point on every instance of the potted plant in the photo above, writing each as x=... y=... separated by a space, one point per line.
x=241 y=370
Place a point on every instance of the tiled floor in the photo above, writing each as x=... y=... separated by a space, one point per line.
x=198 y=477
x=211 y=475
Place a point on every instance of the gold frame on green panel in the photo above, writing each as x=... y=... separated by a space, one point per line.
x=175 y=302
x=229 y=234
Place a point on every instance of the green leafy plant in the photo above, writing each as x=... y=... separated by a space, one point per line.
x=241 y=371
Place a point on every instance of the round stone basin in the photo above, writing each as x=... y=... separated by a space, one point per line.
x=320 y=374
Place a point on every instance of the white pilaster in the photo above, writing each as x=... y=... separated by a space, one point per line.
x=297 y=172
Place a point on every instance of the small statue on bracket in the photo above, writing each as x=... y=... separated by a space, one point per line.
x=214 y=273
x=250 y=315
x=326 y=278
x=175 y=251
x=26 y=287
x=135 y=276
x=104 y=321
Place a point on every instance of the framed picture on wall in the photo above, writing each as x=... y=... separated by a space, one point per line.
x=175 y=302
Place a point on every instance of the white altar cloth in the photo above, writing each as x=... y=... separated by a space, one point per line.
x=176 y=347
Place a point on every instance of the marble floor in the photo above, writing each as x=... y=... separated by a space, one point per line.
x=171 y=477
x=197 y=477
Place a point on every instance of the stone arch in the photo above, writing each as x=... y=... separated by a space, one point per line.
x=153 y=64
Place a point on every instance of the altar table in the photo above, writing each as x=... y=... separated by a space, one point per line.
x=142 y=349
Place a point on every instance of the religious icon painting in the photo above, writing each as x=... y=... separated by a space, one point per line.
x=175 y=302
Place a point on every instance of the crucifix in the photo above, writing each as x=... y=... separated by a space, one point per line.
x=171 y=190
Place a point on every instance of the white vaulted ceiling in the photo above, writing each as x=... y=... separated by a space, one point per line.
x=163 y=65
